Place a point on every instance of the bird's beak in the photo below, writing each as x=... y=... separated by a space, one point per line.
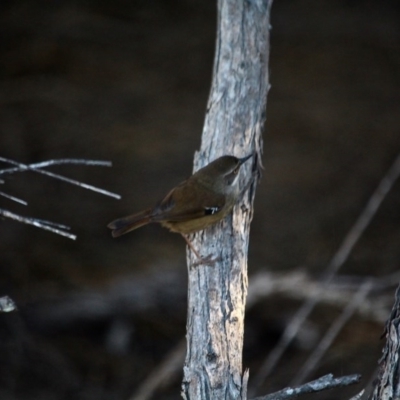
x=244 y=159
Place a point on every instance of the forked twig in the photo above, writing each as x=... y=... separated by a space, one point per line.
x=37 y=167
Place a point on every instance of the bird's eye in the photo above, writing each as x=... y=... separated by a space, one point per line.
x=236 y=170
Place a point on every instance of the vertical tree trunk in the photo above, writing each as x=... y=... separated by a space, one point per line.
x=234 y=121
x=387 y=383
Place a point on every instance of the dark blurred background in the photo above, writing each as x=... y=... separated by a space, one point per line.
x=128 y=81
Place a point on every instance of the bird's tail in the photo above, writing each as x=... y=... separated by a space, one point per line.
x=126 y=224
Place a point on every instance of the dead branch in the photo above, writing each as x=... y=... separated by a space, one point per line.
x=324 y=383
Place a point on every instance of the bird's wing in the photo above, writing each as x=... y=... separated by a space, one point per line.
x=186 y=202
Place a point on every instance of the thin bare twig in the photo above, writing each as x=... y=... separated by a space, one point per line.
x=38 y=223
x=37 y=168
x=48 y=163
x=53 y=224
x=331 y=334
x=13 y=198
x=336 y=262
x=59 y=229
x=324 y=383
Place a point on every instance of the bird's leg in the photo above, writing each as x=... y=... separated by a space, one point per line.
x=207 y=260
x=191 y=246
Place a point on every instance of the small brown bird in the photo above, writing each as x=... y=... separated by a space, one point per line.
x=200 y=201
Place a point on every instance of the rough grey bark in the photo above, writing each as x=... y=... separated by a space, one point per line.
x=233 y=125
x=387 y=385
